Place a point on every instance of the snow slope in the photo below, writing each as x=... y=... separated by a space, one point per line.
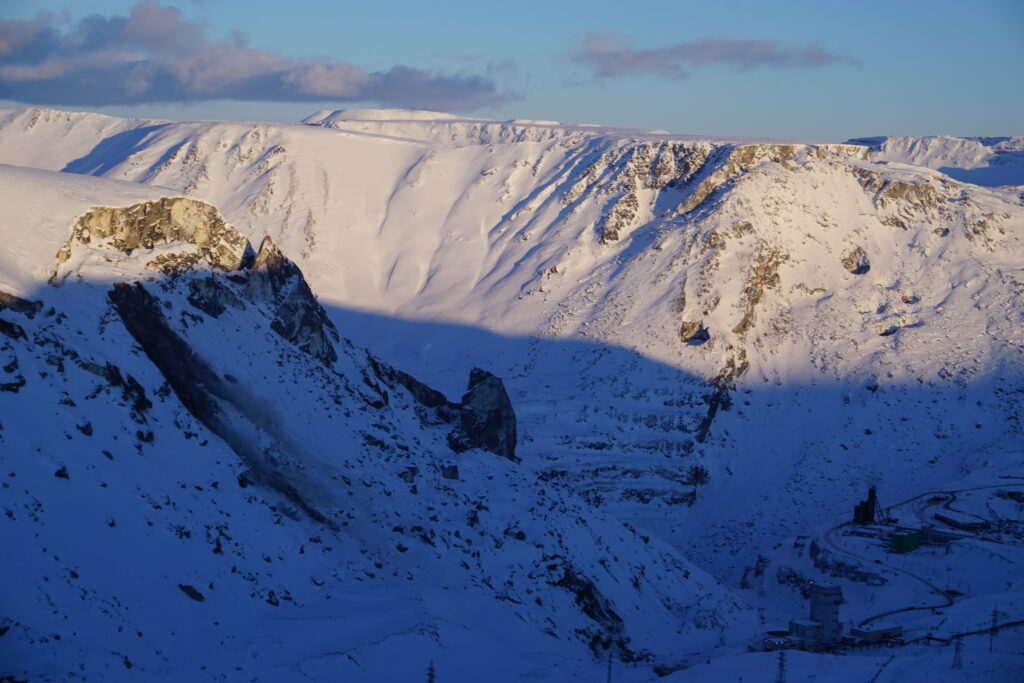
x=198 y=489
x=711 y=340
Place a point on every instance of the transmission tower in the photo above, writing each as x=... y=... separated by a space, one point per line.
x=780 y=677
x=958 y=659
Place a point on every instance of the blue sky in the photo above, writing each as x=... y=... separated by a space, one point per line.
x=825 y=70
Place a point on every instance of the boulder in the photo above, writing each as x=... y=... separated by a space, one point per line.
x=486 y=419
x=694 y=332
x=857 y=262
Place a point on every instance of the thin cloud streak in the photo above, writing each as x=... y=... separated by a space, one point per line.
x=153 y=55
x=611 y=55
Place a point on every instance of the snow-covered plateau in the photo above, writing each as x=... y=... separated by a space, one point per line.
x=387 y=395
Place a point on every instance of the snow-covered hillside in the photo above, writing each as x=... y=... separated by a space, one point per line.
x=203 y=480
x=991 y=162
x=708 y=340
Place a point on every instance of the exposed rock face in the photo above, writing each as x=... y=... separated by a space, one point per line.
x=682 y=174
x=189 y=234
x=192 y=380
x=212 y=297
x=150 y=224
x=921 y=195
x=196 y=384
x=9 y=302
x=298 y=318
x=857 y=262
x=656 y=166
x=487 y=420
x=764 y=275
x=729 y=162
x=599 y=608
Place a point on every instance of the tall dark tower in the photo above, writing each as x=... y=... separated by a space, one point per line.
x=825 y=601
x=868 y=511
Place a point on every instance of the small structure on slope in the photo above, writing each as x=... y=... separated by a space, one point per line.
x=905 y=542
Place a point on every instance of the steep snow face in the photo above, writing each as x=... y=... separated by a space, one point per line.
x=694 y=329
x=984 y=161
x=195 y=489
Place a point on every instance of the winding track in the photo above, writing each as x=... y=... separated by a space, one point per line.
x=947 y=600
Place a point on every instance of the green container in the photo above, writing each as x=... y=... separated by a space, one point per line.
x=904 y=543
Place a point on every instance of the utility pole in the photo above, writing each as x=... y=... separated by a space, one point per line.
x=780 y=677
x=958 y=659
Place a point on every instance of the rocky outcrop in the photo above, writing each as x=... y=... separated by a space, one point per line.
x=212 y=297
x=652 y=166
x=9 y=302
x=486 y=419
x=694 y=332
x=921 y=195
x=764 y=275
x=592 y=603
x=199 y=388
x=694 y=171
x=731 y=161
x=190 y=378
x=431 y=398
x=150 y=224
x=298 y=317
x=191 y=234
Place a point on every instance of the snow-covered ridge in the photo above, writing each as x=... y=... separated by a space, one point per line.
x=990 y=161
x=334 y=115
x=449 y=129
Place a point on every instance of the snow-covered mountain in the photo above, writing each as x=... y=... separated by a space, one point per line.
x=197 y=458
x=706 y=340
